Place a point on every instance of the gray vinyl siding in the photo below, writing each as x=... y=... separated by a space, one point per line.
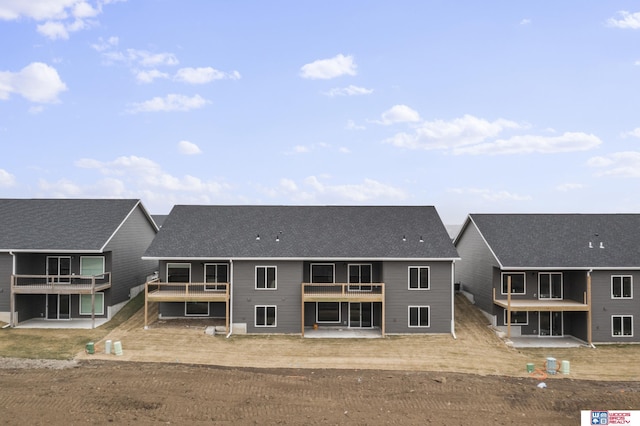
x=6 y=269
x=127 y=248
x=604 y=306
x=287 y=297
x=475 y=271
x=398 y=297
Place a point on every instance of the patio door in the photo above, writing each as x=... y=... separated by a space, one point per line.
x=58 y=306
x=550 y=324
x=361 y=314
x=59 y=267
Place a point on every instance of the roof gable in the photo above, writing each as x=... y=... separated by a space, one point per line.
x=562 y=240
x=61 y=224
x=302 y=232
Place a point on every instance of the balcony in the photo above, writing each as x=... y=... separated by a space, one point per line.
x=60 y=284
x=157 y=291
x=520 y=304
x=343 y=292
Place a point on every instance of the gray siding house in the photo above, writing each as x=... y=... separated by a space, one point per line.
x=65 y=259
x=554 y=274
x=297 y=269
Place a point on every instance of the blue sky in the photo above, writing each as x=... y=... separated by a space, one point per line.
x=473 y=107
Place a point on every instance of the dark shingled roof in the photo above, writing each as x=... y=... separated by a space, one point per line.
x=303 y=232
x=60 y=224
x=562 y=240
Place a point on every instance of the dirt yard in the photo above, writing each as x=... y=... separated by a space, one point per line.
x=177 y=374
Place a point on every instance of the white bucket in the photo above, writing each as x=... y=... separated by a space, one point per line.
x=117 y=347
x=551 y=365
x=565 y=367
x=107 y=347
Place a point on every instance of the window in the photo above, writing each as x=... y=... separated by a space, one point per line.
x=418 y=277
x=517 y=282
x=178 y=272
x=216 y=273
x=419 y=316
x=196 y=309
x=328 y=312
x=59 y=266
x=621 y=287
x=322 y=273
x=266 y=277
x=266 y=316
x=359 y=274
x=517 y=317
x=92 y=266
x=550 y=285
x=85 y=304
x=622 y=325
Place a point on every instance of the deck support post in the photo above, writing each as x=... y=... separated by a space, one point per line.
x=589 y=314
x=146 y=302
x=509 y=307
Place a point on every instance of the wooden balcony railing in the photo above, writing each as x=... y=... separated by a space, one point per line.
x=60 y=284
x=176 y=292
x=373 y=292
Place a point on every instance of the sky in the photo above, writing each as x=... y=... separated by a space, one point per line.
x=473 y=107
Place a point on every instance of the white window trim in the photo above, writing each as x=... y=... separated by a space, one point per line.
x=275 y=316
x=359 y=286
x=539 y=292
x=621 y=323
x=214 y=286
x=333 y=267
x=94 y=257
x=418 y=307
x=329 y=322
x=99 y=309
x=428 y=268
x=515 y=323
x=513 y=273
x=186 y=314
x=255 y=284
x=622 y=279
x=178 y=263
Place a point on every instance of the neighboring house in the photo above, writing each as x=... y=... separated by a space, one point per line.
x=63 y=259
x=568 y=274
x=284 y=269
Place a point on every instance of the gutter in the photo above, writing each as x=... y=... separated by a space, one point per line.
x=230 y=299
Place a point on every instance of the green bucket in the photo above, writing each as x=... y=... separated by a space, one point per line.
x=90 y=348
x=530 y=367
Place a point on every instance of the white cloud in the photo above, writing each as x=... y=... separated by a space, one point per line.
x=566 y=187
x=6 y=179
x=203 y=75
x=528 y=144
x=37 y=82
x=350 y=90
x=635 y=133
x=399 y=114
x=351 y=125
x=288 y=185
x=625 y=20
x=490 y=195
x=107 y=44
x=138 y=57
x=366 y=191
x=59 y=17
x=189 y=148
x=147 y=174
x=325 y=69
x=344 y=150
x=440 y=134
x=171 y=102
x=618 y=164
x=525 y=21
x=149 y=76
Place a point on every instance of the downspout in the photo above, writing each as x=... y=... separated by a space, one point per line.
x=453 y=297
x=230 y=298
x=12 y=296
x=589 y=314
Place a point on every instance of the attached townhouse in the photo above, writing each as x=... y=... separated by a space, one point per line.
x=554 y=274
x=297 y=269
x=69 y=259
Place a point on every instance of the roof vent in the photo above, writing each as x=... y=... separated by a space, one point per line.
x=601 y=244
x=258 y=237
x=421 y=240
x=277 y=238
x=404 y=238
x=590 y=244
